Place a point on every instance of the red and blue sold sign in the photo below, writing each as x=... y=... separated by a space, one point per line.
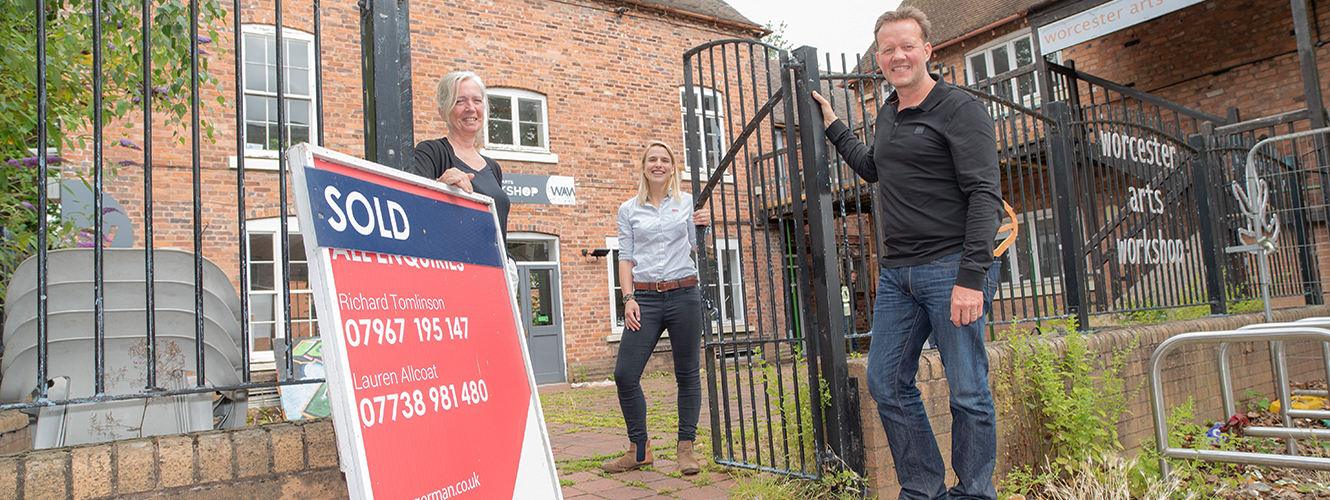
x=432 y=394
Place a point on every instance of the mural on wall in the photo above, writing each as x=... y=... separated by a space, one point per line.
x=303 y=401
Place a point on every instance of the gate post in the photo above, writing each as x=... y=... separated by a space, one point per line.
x=1062 y=166
x=385 y=42
x=825 y=272
x=1210 y=255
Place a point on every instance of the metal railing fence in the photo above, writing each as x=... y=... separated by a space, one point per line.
x=157 y=127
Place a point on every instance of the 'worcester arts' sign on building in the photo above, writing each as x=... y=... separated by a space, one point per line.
x=1154 y=159
x=1102 y=20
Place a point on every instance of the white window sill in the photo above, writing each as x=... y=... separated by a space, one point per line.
x=724 y=179
x=500 y=154
x=257 y=162
x=723 y=329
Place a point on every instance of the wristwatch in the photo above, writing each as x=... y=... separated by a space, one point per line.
x=627 y=297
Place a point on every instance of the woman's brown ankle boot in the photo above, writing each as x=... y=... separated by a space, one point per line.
x=688 y=464
x=631 y=460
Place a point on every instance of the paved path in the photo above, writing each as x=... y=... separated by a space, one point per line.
x=585 y=427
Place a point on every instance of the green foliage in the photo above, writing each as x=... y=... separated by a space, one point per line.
x=1076 y=398
x=1256 y=401
x=1025 y=480
x=841 y=485
x=69 y=66
x=789 y=410
x=1197 y=476
x=1064 y=325
x=777 y=36
x=70 y=82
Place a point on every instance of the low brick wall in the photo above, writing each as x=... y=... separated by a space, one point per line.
x=1190 y=371
x=14 y=433
x=275 y=461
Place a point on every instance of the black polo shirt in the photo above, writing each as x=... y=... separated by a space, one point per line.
x=936 y=166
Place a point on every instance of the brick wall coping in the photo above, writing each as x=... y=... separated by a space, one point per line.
x=11 y=420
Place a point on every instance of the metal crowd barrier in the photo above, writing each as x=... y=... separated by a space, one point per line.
x=1276 y=334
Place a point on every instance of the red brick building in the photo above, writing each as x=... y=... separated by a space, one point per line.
x=1170 y=65
x=576 y=89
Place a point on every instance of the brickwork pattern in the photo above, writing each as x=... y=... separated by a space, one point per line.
x=15 y=435
x=1210 y=56
x=611 y=79
x=1189 y=372
x=295 y=460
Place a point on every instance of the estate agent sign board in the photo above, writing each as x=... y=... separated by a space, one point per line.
x=431 y=390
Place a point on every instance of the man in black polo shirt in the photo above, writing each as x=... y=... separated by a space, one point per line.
x=935 y=153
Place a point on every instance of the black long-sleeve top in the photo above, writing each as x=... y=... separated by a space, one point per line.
x=434 y=156
x=936 y=166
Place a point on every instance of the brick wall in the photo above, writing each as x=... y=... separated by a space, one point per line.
x=276 y=461
x=611 y=81
x=1210 y=56
x=15 y=435
x=1190 y=371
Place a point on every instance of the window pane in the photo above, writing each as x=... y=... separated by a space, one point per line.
x=297 y=243
x=712 y=142
x=256 y=134
x=1004 y=271
x=297 y=112
x=530 y=251
x=254 y=50
x=501 y=108
x=270 y=74
x=1024 y=53
x=297 y=54
x=261 y=307
x=1001 y=60
x=979 y=67
x=254 y=77
x=1025 y=85
x=272 y=136
x=261 y=277
x=542 y=298
x=256 y=109
x=297 y=81
x=528 y=110
x=709 y=104
x=617 y=291
x=530 y=135
x=301 y=329
x=501 y=132
x=299 y=276
x=260 y=247
x=1050 y=256
x=262 y=335
x=299 y=134
x=301 y=306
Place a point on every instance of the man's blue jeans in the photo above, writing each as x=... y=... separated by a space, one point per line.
x=911 y=303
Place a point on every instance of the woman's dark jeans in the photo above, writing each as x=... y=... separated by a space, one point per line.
x=680 y=312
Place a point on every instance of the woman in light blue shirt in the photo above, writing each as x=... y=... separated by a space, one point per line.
x=656 y=237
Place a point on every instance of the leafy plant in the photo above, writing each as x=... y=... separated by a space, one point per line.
x=1194 y=475
x=1077 y=398
x=840 y=485
x=790 y=410
x=1257 y=400
x=71 y=80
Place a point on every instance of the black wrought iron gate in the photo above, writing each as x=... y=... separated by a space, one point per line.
x=775 y=377
x=1108 y=219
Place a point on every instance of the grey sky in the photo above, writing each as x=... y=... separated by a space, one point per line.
x=833 y=26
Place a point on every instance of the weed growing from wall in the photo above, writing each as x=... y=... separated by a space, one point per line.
x=1075 y=396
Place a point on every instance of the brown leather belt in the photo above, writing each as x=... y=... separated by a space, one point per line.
x=662 y=286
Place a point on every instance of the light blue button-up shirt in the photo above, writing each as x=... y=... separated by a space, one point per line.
x=658 y=240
